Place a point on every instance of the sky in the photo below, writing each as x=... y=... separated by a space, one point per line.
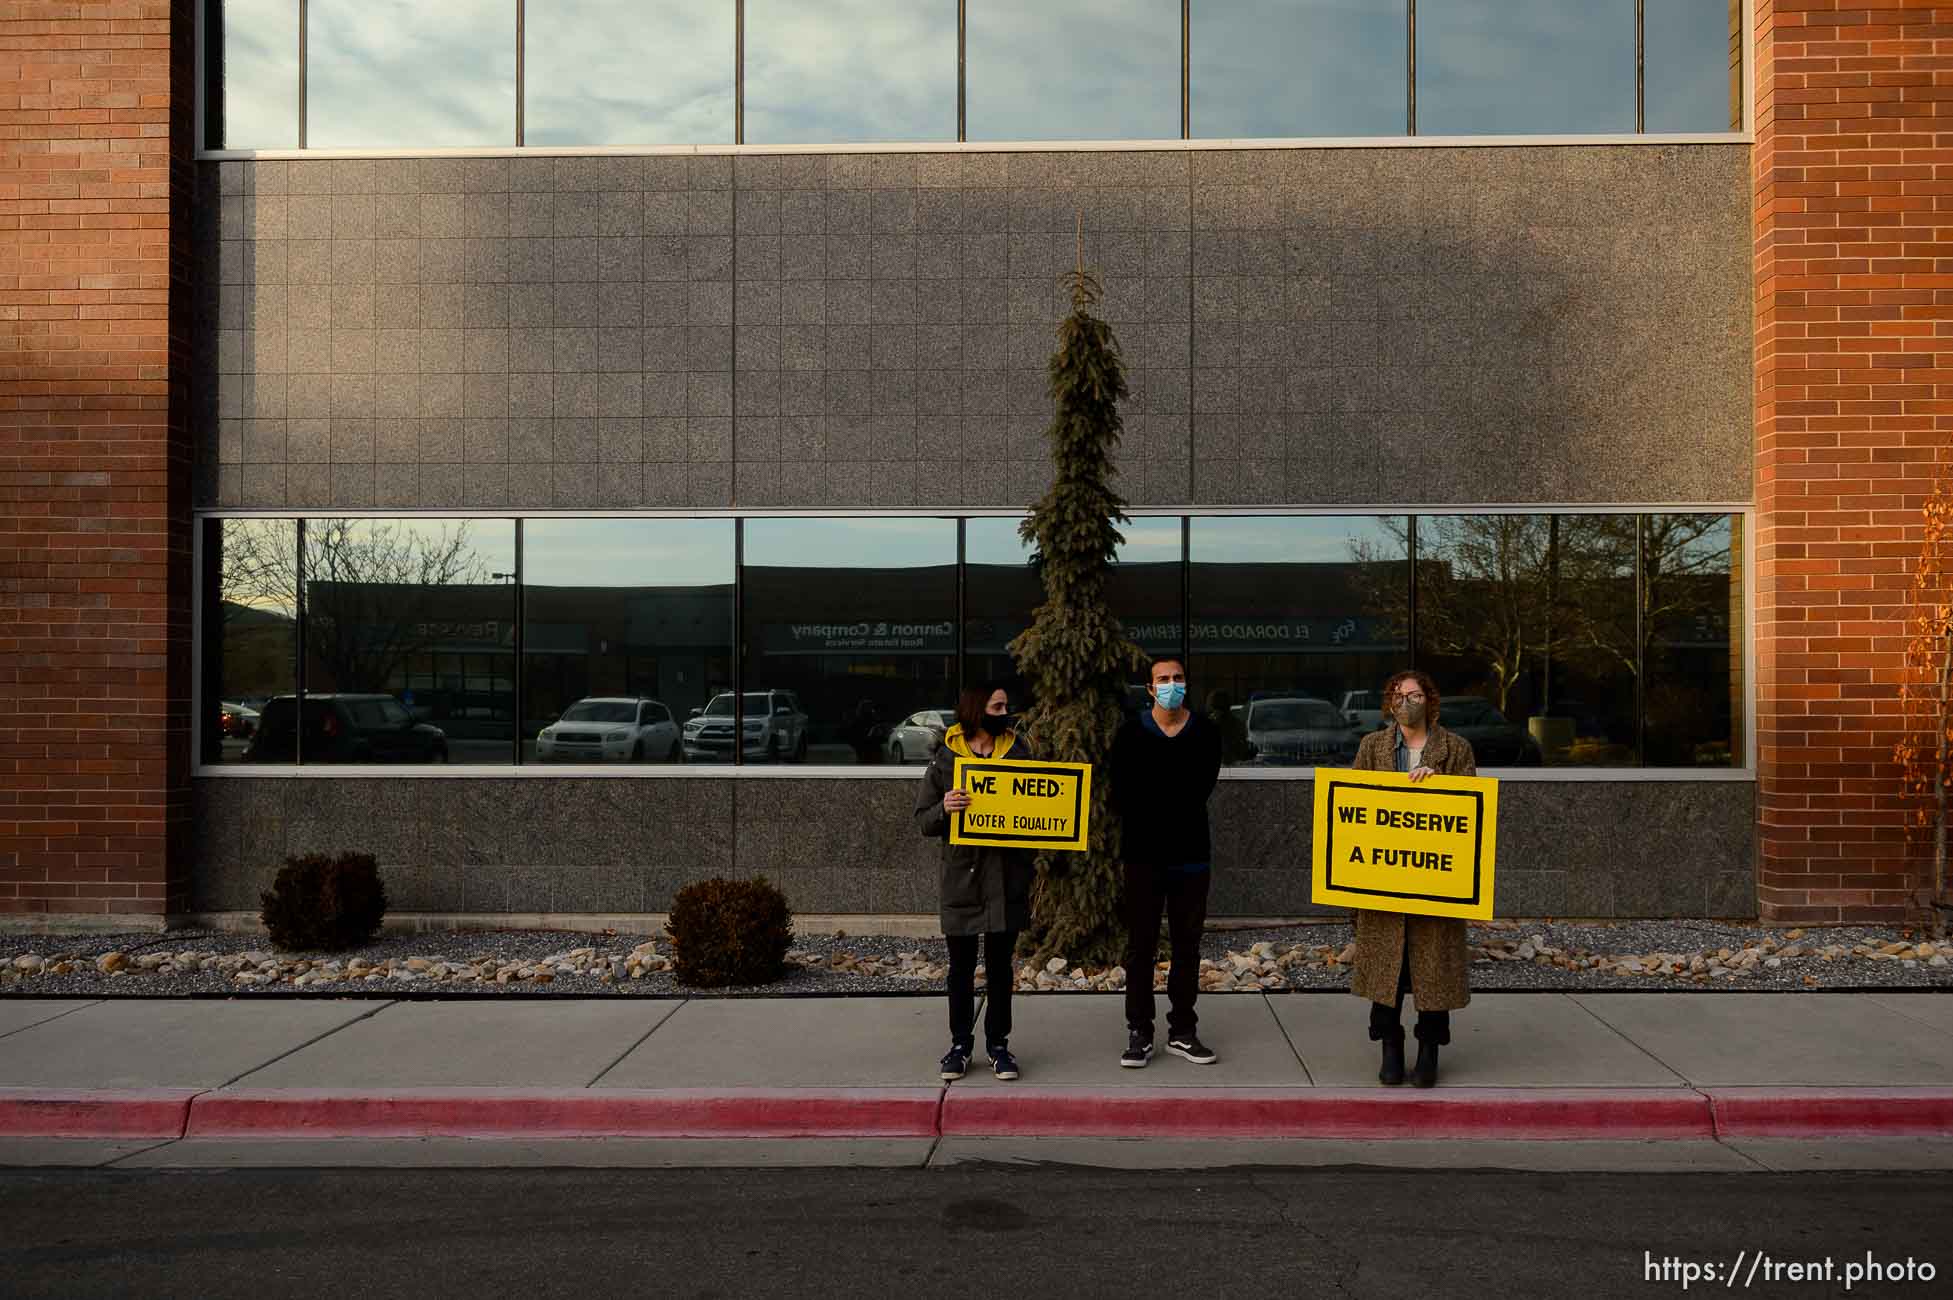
x=433 y=73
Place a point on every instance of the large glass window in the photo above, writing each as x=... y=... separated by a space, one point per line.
x=409 y=641
x=1692 y=621
x=846 y=70
x=598 y=72
x=250 y=633
x=1073 y=70
x=1517 y=67
x=1001 y=590
x=258 y=106
x=626 y=638
x=410 y=73
x=1692 y=70
x=848 y=628
x=1277 y=68
x=1296 y=623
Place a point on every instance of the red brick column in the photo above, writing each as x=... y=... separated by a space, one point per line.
x=1854 y=304
x=95 y=139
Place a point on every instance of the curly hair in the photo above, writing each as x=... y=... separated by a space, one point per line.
x=1424 y=683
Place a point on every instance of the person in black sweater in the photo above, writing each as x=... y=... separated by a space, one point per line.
x=1165 y=762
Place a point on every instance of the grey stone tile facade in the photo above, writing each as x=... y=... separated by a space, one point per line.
x=871 y=330
x=568 y=844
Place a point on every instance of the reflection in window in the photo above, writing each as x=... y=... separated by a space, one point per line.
x=599 y=72
x=409 y=642
x=849 y=626
x=1296 y=623
x=1145 y=588
x=1692 y=73
x=1692 y=615
x=626 y=638
x=1073 y=70
x=848 y=70
x=1527 y=624
x=1001 y=590
x=250 y=633
x=1517 y=67
x=258 y=106
x=410 y=73
x=1280 y=68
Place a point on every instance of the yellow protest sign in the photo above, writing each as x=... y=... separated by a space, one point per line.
x=1385 y=844
x=1023 y=804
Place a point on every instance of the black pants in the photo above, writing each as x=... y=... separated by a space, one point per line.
x=999 y=977
x=1388 y=1021
x=1184 y=896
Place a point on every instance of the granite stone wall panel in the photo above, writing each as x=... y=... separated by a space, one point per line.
x=820 y=331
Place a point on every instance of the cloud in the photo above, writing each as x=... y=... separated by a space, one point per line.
x=260 y=73
x=600 y=72
x=848 y=70
x=1277 y=68
x=1514 y=67
x=410 y=73
x=1079 y=70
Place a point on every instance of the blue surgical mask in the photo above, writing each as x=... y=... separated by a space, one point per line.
x=1170 y=694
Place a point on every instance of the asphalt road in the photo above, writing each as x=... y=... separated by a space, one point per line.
x=970 y=1230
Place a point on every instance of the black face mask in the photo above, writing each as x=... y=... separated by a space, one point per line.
x=996 y=724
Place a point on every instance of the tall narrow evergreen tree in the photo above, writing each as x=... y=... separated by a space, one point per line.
x=1075 y=655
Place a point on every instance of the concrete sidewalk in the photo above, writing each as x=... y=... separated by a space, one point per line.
x=1522 y=1067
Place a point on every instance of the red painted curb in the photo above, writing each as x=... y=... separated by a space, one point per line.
x=1832 y=1112
x=133 y=1113
x=566 y=1113
x=1444 y=1114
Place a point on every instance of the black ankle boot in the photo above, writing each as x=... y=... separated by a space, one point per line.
x=1392 y=1072
x=1425 y=1075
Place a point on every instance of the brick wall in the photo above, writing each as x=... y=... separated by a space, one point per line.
x=1854 y=236
x=95 y=99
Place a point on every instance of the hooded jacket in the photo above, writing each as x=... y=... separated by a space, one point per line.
x=984 y=888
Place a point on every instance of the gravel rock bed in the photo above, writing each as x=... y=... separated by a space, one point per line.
x=1611 y=956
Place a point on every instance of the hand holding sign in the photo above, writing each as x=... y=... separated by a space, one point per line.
x=1419 y=843
x=1029 y=805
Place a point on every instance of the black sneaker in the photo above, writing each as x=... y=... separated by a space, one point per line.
x=956 y=1061
x=1139 y=1050
x=1190 y=1047
x=1002 y=1062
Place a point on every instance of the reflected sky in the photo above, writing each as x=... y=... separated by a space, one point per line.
x=627 y=552
x=1686 y=76
x=851 y=543
x=260 y=74
x=1073 y=70
x=602 y=72
x=847 y=70
x=1515 y=67
x=386 y=549
x=1298 y=68
x=994 y=540
x=410 y=73
x=1323 y=539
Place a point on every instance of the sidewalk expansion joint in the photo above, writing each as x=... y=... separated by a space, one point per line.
x=317 y=1038
x=59 y=1015
x=672 y=1009
x=1307 y=1073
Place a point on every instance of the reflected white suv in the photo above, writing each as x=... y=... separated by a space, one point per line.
x=774 y=728
x=604 y=729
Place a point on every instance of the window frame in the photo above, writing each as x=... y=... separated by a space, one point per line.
x=1746 y=744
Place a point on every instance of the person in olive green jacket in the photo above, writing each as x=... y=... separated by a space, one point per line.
x=1396 y=953
x=986 y=890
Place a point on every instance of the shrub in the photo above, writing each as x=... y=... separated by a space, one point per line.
x=729 y=932
x=325 y=902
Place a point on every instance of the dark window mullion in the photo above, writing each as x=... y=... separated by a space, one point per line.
x=1640 y=67
x=521 y=87
x=521 y=618
x=304 y=92
x=738 y=642
x=1410 y=66
x=298 y=669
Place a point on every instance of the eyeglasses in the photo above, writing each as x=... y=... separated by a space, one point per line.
x=1412 y=697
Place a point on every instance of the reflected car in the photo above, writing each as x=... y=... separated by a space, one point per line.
x=1496 y=741
x=611 y=729
x=345 y=728
x=1363 y=709
x=914 y=739
x=1300 y=730
x=774 y=729
x=237 y=721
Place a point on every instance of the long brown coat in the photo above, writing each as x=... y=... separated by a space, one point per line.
x=1440 y=962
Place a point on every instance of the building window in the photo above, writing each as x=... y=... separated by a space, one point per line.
x=407 y=74
x=626 y=639
x=1296 y=623
x=1073 y=70
x=848 y=626
x=1691 y=620
x=256 y=50
x=847 y=70
x=1692 y=65
x=1519 y=67
x=250 y=635
x=1285 y=68
x=619 y=72
x=409 y=641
